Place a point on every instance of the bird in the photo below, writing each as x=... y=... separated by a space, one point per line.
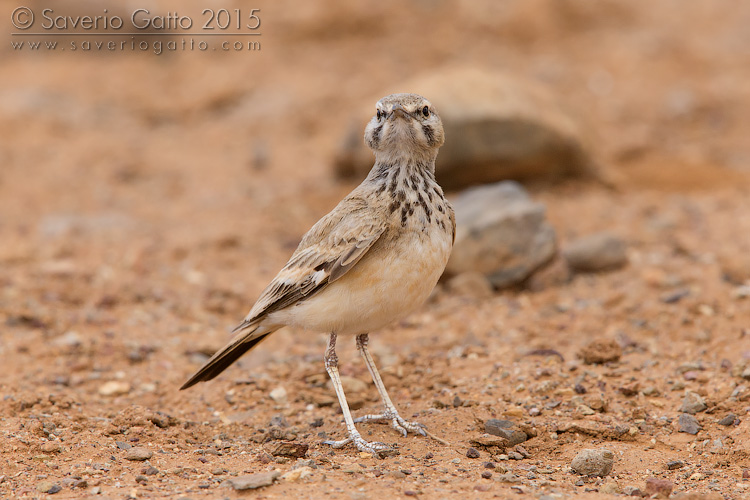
x=372 y=260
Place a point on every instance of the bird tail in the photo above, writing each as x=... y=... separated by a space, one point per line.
x=220 y=361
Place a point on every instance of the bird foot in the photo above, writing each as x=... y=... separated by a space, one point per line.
x=380 y=450
x=398 y=423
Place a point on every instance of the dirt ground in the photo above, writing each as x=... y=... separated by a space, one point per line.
x=146 y=200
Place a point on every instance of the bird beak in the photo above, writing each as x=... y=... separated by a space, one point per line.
x=398 y=111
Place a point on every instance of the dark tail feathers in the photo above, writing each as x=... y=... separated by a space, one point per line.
x=223 y=358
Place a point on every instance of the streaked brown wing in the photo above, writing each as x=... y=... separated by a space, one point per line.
x=327 y=252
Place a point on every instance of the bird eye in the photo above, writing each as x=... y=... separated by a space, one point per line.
x=378 y=114
x=426 y=111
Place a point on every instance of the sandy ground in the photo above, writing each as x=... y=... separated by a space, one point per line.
x=146 y=200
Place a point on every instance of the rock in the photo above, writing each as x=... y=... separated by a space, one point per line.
x=675 y=464
x=692 y=403
x=506 y=429
x=630 y=389
x=555 y=273
x=728 y=420
x=696 y=495
x=69 y=339
x=297 y=474
x=508 y=477
x=351 y=385
x=658 y=488
x=253 y=481
x=51 y=447
x=278 y=395
x=48 y=487
x=489 y=441
x=470 y=284
x=611 y=488
x=632 y=491
x=500 y=233
x=138 y=454
x=735 y=268
x=293 y=450
x=601 y=351
x=597 y=252
x=593 y=462
x=689 y=424
x=497 y=127
x=486 y=474
x=472 y=453
x=150 y=471
x=114 y=388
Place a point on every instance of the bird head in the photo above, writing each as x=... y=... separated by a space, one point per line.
x=405 y=125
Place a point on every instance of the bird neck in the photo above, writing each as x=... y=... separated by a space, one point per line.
x=387 y=164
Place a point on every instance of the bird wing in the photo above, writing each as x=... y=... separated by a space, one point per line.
x=327 y=252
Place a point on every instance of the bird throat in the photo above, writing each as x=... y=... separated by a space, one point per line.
x=411 y=193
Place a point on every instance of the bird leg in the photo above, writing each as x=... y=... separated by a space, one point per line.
x=331 y=363
x=390 y=413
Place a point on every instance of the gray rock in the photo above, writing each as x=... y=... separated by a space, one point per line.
x=692 y=403
x=689 y=424
x=675 y=464
x=728 y=420
x=593 y=462
x=253 y=481
x=596 y=252
x=497 y=127
x=500 y=233
x=507 y=429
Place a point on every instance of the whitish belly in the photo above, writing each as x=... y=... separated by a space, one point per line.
x=385 y=285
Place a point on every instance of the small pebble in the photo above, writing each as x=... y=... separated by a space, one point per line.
x=692 y=403
x=472 y=453
x=278 y=395
x=114 y=388
x=489 y=465
x=48 y=487
x=688 y=424
x=138 y=454
x=51 y=447
x=675 y=464
x=254 y=481
x=486 y=474
x=658 y=488
x=596 y=462
x=728 y=420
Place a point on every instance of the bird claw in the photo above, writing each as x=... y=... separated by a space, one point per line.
x=398 y=423
x=381 y=450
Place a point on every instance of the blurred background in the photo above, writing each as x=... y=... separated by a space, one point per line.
x=146 y=199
